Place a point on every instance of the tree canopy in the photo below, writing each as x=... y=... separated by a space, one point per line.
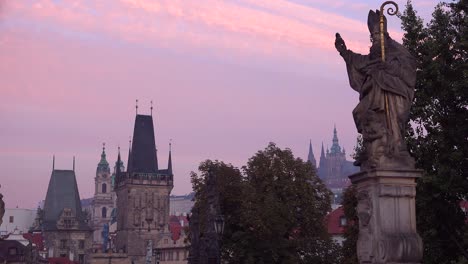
x=439 y=118
x=274 y=208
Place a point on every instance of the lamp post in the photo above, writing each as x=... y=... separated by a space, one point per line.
x=157 y=255
x=219 y=229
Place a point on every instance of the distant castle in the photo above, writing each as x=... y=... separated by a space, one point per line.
x=333 y=167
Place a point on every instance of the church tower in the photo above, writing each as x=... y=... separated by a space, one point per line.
x=310 y=157
x=104 y=199
x=142 y=194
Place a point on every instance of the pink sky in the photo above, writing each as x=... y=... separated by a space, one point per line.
x=226 y=78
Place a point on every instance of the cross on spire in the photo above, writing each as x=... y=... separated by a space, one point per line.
x=136 y=106
x=151 y=107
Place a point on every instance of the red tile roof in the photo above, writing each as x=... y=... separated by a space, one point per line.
x=175 y=227
x=37 y=239
x=333 y=221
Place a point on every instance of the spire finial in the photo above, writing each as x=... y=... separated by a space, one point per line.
x=103 y=146
x=136 y=106
x=53 y=162
x=73 y=163
x=151 y=107
x=169 y=162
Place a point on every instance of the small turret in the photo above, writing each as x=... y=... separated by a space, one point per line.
x=169 y=162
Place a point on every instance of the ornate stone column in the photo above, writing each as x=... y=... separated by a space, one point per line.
x=387 y=216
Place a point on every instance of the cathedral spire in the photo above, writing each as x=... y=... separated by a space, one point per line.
x=311 y=157
x=169 y=162
x=335 y=148
x=322 y=153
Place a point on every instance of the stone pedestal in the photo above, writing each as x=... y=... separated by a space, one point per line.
x=387 y=216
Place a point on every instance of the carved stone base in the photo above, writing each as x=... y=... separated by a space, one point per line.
x=387 y=216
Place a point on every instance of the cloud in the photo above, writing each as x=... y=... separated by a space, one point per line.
x=272 y=28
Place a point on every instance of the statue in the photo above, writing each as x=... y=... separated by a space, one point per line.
x=105 y=237
x=385 y=80
x=2 y=209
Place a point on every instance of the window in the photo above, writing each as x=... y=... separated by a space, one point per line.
x=81 y=244
x=81 y=258
x=342 y=221
x=12 y=219
x=67 y=223
x=104 y=188
x=63 y=243
x=104 y=212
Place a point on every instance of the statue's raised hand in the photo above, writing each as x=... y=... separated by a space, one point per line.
x=339 y=43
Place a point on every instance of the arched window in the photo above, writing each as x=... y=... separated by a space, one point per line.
x=104 y=212
x=104 y=188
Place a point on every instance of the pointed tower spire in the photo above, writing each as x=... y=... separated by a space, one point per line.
x=103 y=165
x=311 y=157
x=335 y=148
x=118 y=169
x=323 y=163
x=322 y=153
x=129 y=163
x=144 y=154
x=169 y=162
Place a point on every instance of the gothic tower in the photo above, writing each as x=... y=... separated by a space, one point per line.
x=334 y=169
x=142 y=194
x=104 y=199
x=310 y=157
x=62 y=221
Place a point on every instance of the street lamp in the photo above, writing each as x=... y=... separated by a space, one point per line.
x=219 y=225
x=219 y=229
x=157 y=255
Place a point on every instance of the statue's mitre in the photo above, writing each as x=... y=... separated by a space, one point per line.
x=373 y=20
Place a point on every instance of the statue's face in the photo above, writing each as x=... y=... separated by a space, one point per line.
x=375 y=38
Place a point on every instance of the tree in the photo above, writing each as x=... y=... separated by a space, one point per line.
x=439 y=116
x=349 y=204
x=351 y=233
x=287 y=210
x=230 y=188
x=274 y=209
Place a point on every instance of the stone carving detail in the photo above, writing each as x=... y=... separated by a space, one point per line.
x=364 y=213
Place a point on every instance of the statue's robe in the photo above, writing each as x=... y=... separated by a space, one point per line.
x=378 y=83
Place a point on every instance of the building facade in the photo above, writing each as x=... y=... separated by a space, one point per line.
x=142 y=195
x=181 y=204
x=103 y=202
x=62 y=221
x=333 y=167
x=17 y=220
